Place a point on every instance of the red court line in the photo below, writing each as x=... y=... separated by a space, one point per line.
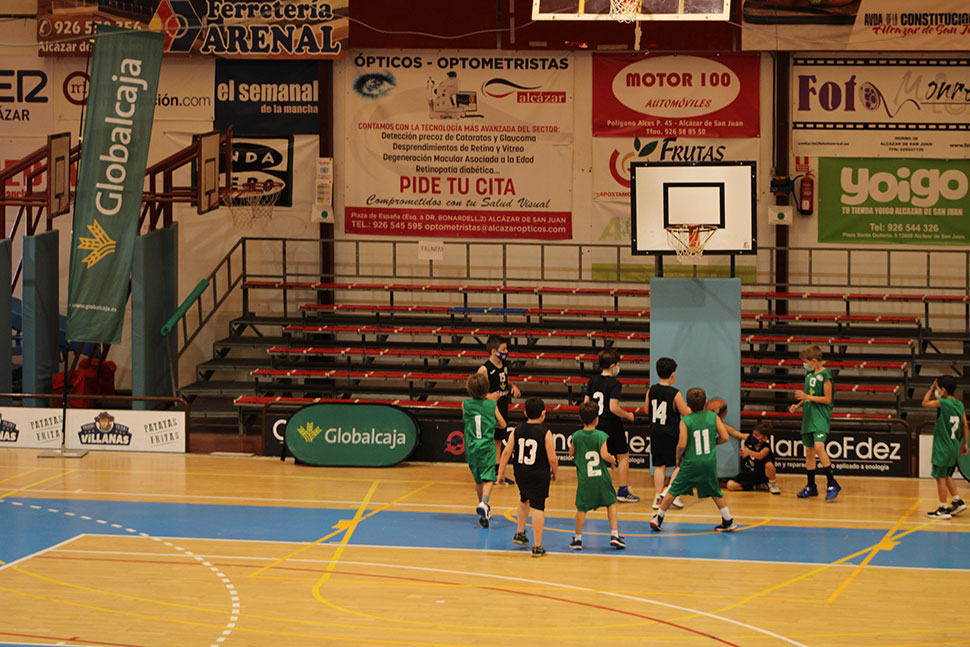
x=68 y=640
x=414 y=579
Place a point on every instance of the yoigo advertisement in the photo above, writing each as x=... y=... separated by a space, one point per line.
x=352 y=435
x=898 y=201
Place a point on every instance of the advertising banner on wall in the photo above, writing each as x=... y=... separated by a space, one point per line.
x=264 y=159
x=185 y=89
x=899 y=201
x=115 y=429
x=612 y=157
x=889 y=107
x=874 y=25
x=853 y=454
x=225 y=28
x=445 y=145
x=267 y=97
x=676 y=96
x=25 y=96
x=360 y=435
x=117 y=131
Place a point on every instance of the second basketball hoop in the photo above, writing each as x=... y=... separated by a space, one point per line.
x=688 y=241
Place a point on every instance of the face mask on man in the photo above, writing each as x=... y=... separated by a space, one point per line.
x=807 y=367
x=937 y=393
x=502 y=355
x=616 y=370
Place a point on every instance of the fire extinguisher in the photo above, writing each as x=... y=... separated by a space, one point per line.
x=806 y=197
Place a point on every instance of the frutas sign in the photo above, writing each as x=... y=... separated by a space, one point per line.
x=352 y=435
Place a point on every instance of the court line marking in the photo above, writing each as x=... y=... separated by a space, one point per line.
x=60 y=474
x=227 y=583
x=957 y=524
x=350 y=528
x=886 y=543
x=16 y=476
x=336 y=532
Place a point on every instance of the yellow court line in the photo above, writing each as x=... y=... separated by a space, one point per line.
x=35 y=483
x=351 y=527
x=17 y=476
x=336 y=532
x=886 y=543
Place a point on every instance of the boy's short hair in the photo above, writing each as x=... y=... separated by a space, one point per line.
x=696 y=398
x=810 y=352
x=665 y=367
x=608 y=357
x=765 y=428
x=949 y=383
x=589 y=412
x=477 y=385
x=494 y=341
x=534 y=407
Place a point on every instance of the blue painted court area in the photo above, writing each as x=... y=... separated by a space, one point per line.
x=31 y=527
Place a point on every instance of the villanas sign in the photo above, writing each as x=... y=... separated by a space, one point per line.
x=358 y=435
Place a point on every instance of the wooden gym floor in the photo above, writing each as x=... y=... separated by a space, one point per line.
x=151 y=549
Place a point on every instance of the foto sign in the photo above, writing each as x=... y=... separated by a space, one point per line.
x=351 y=435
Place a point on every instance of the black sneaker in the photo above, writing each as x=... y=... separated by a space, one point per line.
x=617 y=542
x=655 y=523
x=940 y=513
x=957 y=507
x=520 y=538
x=509 y=481
x=576 y=544
x=726 y=525
x=538 y=551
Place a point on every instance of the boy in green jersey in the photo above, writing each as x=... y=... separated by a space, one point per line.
x=594 y=488
x=700 y=433
x=951 y=419
x=481 y=416
x=816 y=403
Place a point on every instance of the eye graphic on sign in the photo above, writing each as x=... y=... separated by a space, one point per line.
x=375 y=84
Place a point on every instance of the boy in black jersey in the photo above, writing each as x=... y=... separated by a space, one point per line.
x=664 y=406
x=496 y=369
x=757 y=463
x=604 y=390
x=535 y=464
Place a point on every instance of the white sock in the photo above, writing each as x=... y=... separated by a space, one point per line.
x=661 y=513
x=614 y=533
x=956 y=497
x=725 y=513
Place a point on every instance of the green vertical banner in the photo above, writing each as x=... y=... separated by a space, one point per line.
x=117 y=130
x=908 y=201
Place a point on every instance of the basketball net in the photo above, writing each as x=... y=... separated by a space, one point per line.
x=625 y=11
x=252 y=201
x=689 y=240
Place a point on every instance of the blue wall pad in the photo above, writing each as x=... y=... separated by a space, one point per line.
x=697 y=322
x=40 y=320
x=154 y=294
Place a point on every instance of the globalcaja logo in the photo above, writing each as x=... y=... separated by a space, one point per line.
x=922 y=187
x=104 y=431
x=99 y=246
x=178 y=22
x=8 y=432
x=363 y=435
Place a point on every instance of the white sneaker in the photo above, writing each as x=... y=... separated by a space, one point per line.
x=677 y=503
x=484 y=513
x=773 y=488
x=656 y=501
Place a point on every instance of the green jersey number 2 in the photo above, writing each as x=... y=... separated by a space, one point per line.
x=592 y=464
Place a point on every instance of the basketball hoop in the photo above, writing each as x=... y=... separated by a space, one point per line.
x=689 y=240
x=624 y=10
x=252 y=201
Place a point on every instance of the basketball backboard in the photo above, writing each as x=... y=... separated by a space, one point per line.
x=59 y=173
x=720 y=194
x=649 y=10
x=207 y=169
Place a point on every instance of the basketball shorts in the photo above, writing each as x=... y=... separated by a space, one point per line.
x=817 y=436
x=481 y=462
x=663 y=448
x=940 y=472
x=749 y=479
x=690 y=477
x=534 y=489
x=502 y=433
x=616 y=442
